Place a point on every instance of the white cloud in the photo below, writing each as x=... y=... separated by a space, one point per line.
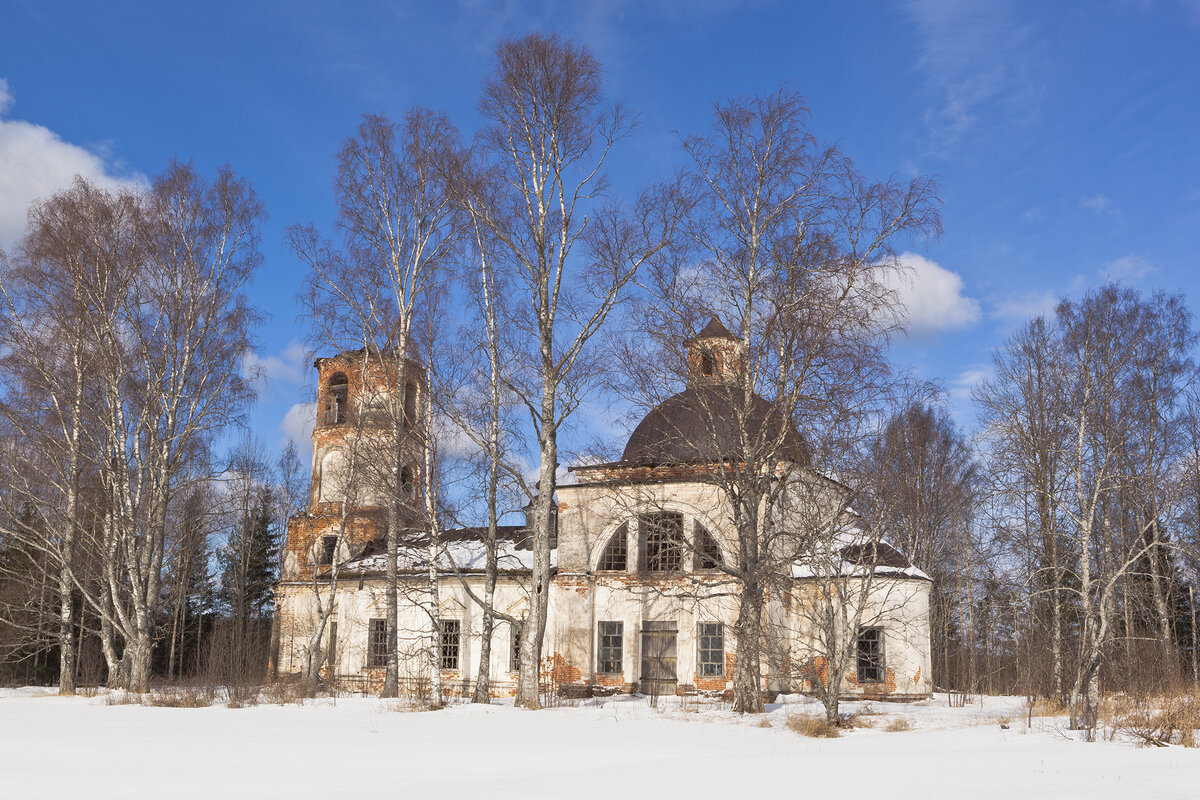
x=1018 y=308
x=1127 y=268
x=1097 y=203
x=35 y=162
x=932 y=296
x=298 y=424
x=289 y=367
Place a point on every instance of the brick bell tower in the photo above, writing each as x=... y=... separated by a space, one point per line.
x=362 y=399
x=714 y=356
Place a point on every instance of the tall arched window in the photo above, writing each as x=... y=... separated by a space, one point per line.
x=408 y=481
x=334 y=468
x=337 y=395
x=708 y=364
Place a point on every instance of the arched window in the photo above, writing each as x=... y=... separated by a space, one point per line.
x=410 y=403
x=708 y=364
x=707 y=553
x=337 y=393
x=333 y=477
x=616 y=555
x=408 y=480
x=327 y=550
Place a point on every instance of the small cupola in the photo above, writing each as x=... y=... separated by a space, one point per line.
x=714 y=355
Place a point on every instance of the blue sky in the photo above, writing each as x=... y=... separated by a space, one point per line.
x=1064 y=134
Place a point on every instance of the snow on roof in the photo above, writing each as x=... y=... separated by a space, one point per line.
x=462 y=550
x=852 y=551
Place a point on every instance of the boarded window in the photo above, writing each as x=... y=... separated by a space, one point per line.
x=327 y=550
x=514 y=649
x=611 y=636
x=708 y=554
x=870 y=655
x=616 y=554
x=377 y=643
x=710 y=637
x=337 y=394
x=662 y=541
x=451 y=630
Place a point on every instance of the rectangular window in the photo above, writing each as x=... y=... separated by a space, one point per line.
x=328 y=549
x=377 y=642
x=514 y=655
x=611 y=636
x=451 y=629
x=870 y=655
x=710 y=638
x=662 y=540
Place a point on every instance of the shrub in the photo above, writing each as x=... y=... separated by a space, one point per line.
x=181 y=697
x=815 y=727
x=899 y=724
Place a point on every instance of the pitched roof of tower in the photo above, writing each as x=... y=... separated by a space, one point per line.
x=714 y=330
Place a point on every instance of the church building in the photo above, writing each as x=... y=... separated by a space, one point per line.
x=639 y=599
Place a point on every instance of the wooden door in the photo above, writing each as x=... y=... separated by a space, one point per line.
x=659 y=647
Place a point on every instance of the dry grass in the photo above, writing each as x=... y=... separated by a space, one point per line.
x=1151 y=721
x=284 y=692
x=815 y=727
x=859 y=720
x=1048 y=707
x=898 y=725
x=181 y=697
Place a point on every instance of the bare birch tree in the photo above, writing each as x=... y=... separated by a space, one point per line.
x=76 y=240
x=397 y=221
x=547 y=135
x=789 y=243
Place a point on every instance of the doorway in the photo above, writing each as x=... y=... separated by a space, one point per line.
x=659 y=648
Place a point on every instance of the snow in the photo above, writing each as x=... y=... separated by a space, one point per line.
x=464 y=555
x=351 y=746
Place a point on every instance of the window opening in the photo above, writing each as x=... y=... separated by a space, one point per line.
x=450 y=630
x=408 y=480
x=662 y=541
x=711 y=640
x=708 y=554
x=328 y=550
x=514 y=655
x=870 y=655
x=410 y=403
x=616 y=554
x=611 y=637
x=336 y=397
x=708 y=364
x=377 y=643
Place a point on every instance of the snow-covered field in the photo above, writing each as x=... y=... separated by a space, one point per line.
x=53 y=747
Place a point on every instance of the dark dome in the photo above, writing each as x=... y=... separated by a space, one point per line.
x=699 y=425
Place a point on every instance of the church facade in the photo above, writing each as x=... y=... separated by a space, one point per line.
x=639 y=599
